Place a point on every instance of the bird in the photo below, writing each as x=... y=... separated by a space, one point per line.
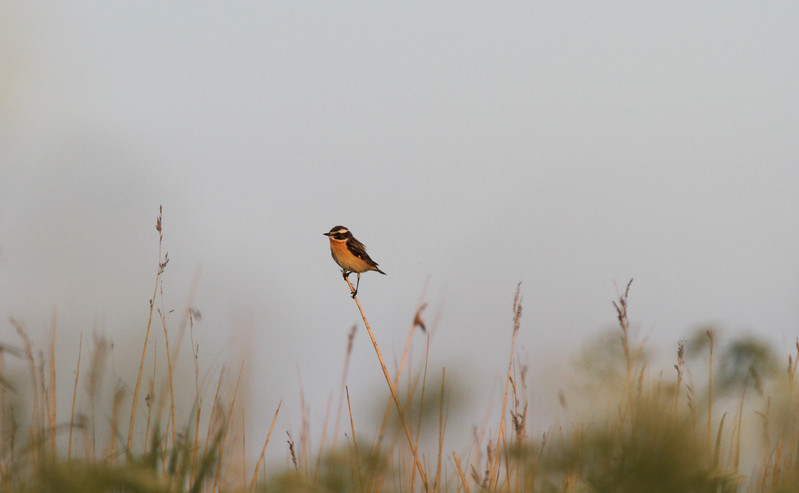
x=350 y=254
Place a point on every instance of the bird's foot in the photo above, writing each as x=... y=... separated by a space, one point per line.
x=354 y=293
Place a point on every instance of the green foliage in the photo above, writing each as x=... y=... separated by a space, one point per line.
x=80 y=476
x=654 y=453
x=339 y=470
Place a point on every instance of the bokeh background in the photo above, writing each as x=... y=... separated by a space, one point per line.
x=569 y=146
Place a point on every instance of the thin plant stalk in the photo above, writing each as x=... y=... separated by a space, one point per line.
x=324 y=437
x=517 y=315
x=350 y=340
x=35 y=416
x=421 y=396
x=460 y=472
x=304 y=440
x=97 y=362
x=392 y=390
x=710 y=394
x=442 y=423
x=187 y=319
x=624 y=323
x=354 y=442
x=680 y=368
x=263 y=450
x=736 y=452
x=225 y=430
x=243 y=449
x=52 y=390
x=45 y=410
x=74 y=398
x=214 y=406
x=119 y=394
x=196 y=446
x=161 y=267
x=148 y=401
x=169 y=375
x=172 y=356
x=400 y=367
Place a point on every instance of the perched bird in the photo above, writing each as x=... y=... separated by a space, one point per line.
x=350 y=254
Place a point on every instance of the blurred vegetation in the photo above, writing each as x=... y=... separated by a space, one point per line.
x=723 y=417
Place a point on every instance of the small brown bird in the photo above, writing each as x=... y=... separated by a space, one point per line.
x=350 y=254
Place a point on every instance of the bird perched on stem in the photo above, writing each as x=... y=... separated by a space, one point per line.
x=350 y=254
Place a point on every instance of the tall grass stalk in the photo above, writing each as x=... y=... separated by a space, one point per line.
x=624 y=323
x=517 y=317
x=421 y=405
x=197 y=397
x=709 y=392
x=170 y=375
x=35 y=423
x=225 y=429
x=52 y=424
x=161 y=266
x=263 y=450
x=393 y=391
x=398 y=374
x=74 y=398
x=442 y=425
x=354 y=443
x=324 y=436
x=350 y=339
x=680 y=367
x=464 y=482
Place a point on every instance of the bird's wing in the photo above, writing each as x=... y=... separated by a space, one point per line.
x=359 y=250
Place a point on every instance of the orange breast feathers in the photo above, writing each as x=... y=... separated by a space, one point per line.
x=344 y=257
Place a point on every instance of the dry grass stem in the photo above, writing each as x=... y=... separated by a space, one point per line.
x=225 y=429
x=51 y=401
x=710 y=393
x=161 y=266
x=292 y=452
x=74 y=398
x=398 y=374
x=350 y=340
x=441 y=428
x=324 y=437
x=624 y=323
x=216 y=403
x=680 y=367
x=354 y=443
x=170 y=376
x=464 y=482
x=393 y=391
x=517 y=317
x=263 y=450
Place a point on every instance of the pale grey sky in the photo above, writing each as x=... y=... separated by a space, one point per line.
x=564 y=145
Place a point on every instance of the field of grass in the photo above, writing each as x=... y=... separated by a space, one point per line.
x=729 y=424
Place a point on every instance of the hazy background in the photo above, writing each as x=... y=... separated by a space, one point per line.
x=569 y=146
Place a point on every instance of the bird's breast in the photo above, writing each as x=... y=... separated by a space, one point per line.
x=344 y=257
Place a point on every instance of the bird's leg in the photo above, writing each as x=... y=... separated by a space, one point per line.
x=345 y=273
x=357 y=283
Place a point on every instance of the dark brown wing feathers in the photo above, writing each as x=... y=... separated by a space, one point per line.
x=359 y=250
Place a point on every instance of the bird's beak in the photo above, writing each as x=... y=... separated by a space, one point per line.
x=326 y=234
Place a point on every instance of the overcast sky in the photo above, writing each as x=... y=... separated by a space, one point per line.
x=568 y=146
